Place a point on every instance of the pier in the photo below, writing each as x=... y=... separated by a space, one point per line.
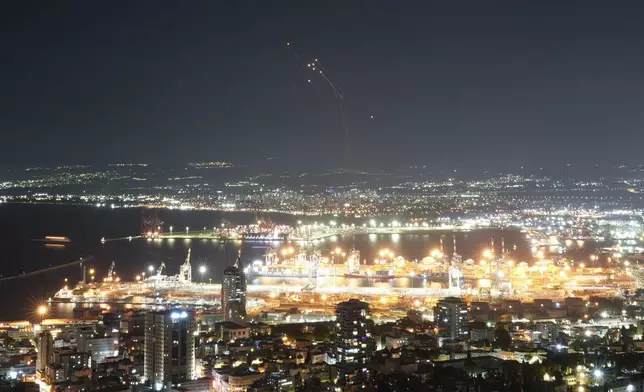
x=296 y=235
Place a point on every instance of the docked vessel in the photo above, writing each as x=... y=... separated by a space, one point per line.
x=52 y=239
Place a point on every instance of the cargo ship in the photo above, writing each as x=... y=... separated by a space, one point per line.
x=52 y=239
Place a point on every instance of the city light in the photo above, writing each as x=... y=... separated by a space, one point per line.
x=178 y=315
x=42 y=310
x=328 y=269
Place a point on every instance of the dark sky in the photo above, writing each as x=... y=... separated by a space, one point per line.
x=460 y=83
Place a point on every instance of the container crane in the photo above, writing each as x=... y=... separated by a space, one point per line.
x=161 y=269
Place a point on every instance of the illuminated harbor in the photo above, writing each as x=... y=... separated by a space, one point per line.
x=301 y=274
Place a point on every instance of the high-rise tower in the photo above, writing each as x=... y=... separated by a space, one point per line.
x=233 y=293
x=451 y=317
x=354 y=340
x=169 y=348
x=45 y=352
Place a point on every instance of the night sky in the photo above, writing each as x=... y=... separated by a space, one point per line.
x=448 y=83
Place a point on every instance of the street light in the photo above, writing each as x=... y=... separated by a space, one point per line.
x=151 y=268
x=187 y=228
x=170 y=230
x=202 y=270
x=42 y=310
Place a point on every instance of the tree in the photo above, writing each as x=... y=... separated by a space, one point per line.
x=322 y=332
x=9 y=341
x=502 y=338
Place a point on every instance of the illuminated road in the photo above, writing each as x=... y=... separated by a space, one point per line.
x=318 y=234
